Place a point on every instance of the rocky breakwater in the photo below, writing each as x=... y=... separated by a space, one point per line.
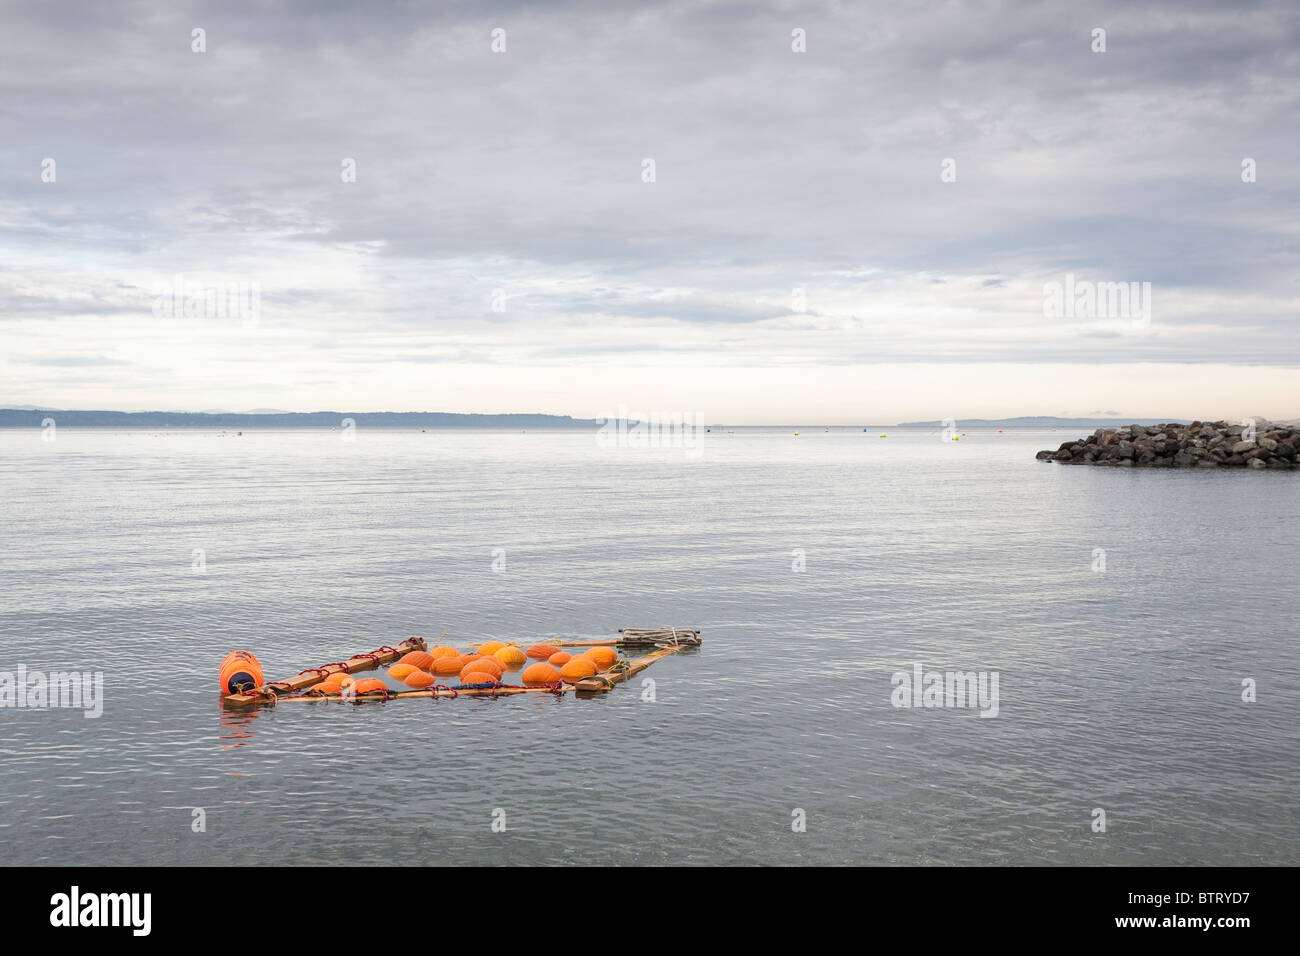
x=1198 y=445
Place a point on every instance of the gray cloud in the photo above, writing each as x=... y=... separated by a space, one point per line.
x=521 y=172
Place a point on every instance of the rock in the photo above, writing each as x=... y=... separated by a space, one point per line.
x=1242 y=447
x=1256 y=463
x=1198 y=445
x=1268 y=444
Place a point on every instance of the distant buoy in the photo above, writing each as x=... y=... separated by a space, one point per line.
x=882 y=434
x=539 y=673
x=238 y=672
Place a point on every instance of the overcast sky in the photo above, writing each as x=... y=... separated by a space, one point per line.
x=798 y=256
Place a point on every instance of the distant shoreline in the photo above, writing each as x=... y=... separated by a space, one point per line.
x=28 y=417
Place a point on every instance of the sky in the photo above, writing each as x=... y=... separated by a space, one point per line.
x=756 y=212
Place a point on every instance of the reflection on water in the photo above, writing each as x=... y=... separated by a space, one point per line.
x=816 y=567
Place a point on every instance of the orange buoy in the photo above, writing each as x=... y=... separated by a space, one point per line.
x=577 y=669
x=399 y=671
x=419 y=679
x=487 y=665
x=539 y=673
x=510 y=656
x=370 y=685
x=559 y=659
x=417 y=659
x=478 y=677
x=239 y=671
x=490 y=647
x=602 y=657
x=443 y=651
x=541 y=652
x=326 y=687
x=347 y=680
x=448 y=665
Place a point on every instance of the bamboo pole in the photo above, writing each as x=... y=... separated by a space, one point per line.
x=504 y=691
x=638 y=637
x=268 y=693
x=605 y=680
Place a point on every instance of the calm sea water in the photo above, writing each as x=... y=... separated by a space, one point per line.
x=1118 y=689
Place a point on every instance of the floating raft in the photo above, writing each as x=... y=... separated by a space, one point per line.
x=275 y=690
x=300 y=688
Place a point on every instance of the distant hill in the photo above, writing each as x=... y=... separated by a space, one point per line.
x=1046 y=421
x=32 y=418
